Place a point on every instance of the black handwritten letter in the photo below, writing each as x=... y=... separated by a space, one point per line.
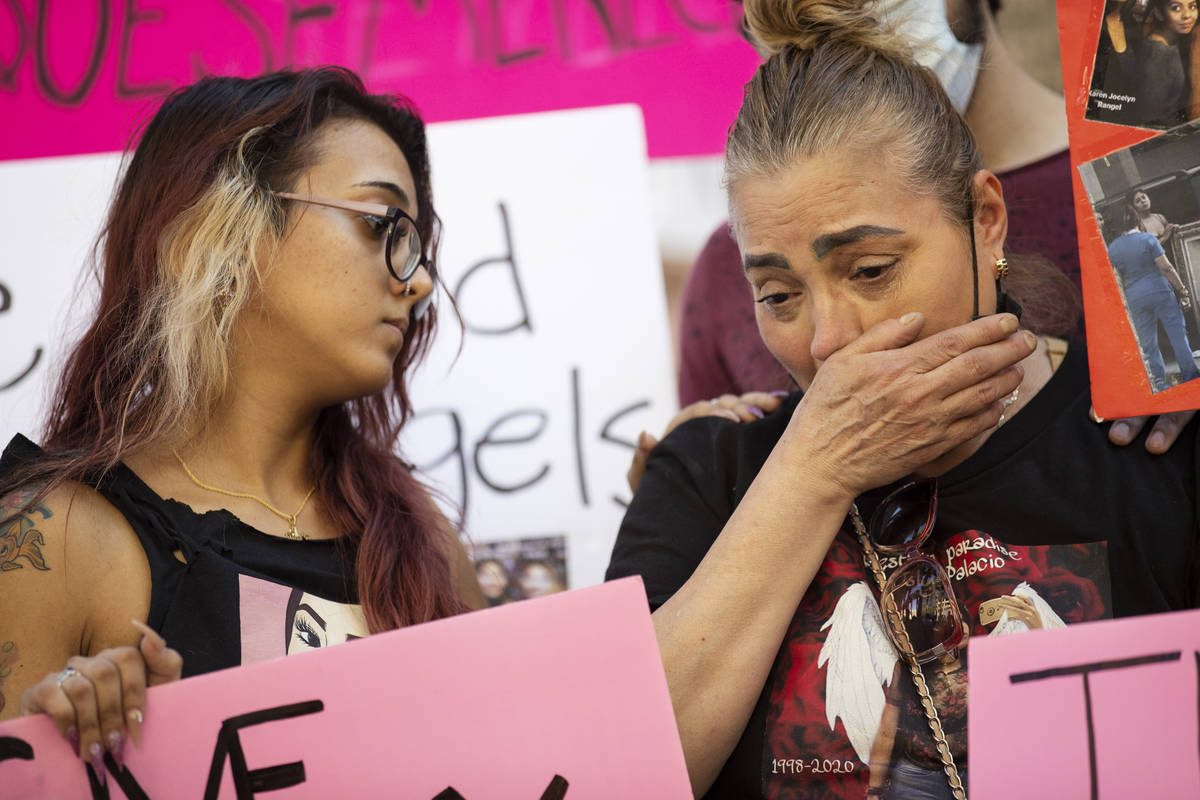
x=492 y=438
x=1085 y=670
x=5 y=305
x=256 y=26
x=123 y=777
x=510 y=259
x=249 y=782
x=685 y=16
x=295 y=16
x=8 y=72
x=606 y=434
x=135 y=16
x=12 y=747
x=45 y=81
x=503 y=56
x=456 y=450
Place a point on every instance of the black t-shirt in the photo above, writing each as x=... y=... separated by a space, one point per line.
x=1047 y=510
x=225 y=594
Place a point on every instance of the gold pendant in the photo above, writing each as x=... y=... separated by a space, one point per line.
x=292 y=532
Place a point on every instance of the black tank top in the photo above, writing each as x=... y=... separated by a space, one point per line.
x=223 y=593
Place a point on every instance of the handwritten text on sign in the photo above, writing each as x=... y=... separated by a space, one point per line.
x=578 y=710
x=79 y=75
x=1098 y=710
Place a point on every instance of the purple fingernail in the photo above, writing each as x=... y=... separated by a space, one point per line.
x=73 y=738
x=116 y=745
x=96 y=758
x=780 y=393
x=756 y=411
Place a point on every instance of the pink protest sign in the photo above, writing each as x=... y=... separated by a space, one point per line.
x=1096 y=710
x=558 y=697
x=78 y=77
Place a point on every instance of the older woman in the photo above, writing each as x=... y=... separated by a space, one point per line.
x=938 y=477
x=221 y=440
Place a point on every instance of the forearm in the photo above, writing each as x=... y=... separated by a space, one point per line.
x=719 y=634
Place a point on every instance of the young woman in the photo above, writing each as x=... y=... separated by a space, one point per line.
x=1150 y=221
x=938 y=475
x=1155 y=59
x=221 y=440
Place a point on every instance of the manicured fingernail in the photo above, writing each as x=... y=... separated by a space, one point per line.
x=96 y=758
x=1030 y=339
x=756 y=411
x=73 y=738
x=115 y=743
x=1157 y=441
x=780 y=393
x=1095 y=417
x=133 y=721
x=1121 y=430
x=910 y=318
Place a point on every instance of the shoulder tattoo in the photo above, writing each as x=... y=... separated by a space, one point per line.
x=21 y=542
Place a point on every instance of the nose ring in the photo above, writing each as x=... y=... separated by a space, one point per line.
x=408 y=290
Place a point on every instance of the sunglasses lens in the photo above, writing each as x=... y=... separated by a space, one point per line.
x=406 y=249
x=904 y=516
x=919 y=598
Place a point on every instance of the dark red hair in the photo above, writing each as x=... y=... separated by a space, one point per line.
x=105 y=404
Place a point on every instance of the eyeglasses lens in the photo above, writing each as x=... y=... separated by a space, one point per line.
x=905 y=516
x=406 y=249
x=918 y=597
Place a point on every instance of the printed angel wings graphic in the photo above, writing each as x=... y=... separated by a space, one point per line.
x=861 y=660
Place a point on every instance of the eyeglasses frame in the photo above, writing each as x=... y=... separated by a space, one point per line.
x=913 y=556
x=393 y=215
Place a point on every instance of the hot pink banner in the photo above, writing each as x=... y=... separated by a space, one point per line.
x=559 y=697
x=76 y=77
x=1096 y=710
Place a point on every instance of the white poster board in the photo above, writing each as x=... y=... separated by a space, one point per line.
x=548 y=242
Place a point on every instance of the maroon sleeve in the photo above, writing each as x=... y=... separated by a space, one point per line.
x=720 y=351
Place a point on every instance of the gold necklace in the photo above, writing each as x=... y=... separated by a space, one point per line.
x=290 y=519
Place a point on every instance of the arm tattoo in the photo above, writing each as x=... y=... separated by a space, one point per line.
x=19 y=536
x=8 y=657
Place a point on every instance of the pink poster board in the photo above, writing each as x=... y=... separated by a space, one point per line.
x=498 y=703
x=77 y=77
x=1096 y=710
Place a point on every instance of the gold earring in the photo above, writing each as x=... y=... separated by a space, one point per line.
x=1001 y=268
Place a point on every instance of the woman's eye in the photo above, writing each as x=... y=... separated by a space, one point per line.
x=378 y=225
x=774 y=300
x=871 y=272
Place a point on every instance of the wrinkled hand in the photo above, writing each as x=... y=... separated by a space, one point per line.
x=886 y=404
x=98 y=702
x=743 y=408
x=1162 y=436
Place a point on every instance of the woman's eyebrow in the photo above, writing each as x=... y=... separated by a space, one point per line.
x=775 y=260
x=823 y=245
x=313 y=614
x=388 y=186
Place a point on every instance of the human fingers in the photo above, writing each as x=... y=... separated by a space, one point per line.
x=99 y=700
x=888 y=334
x=944 y=346
x=986 y=394
x=47 y=697
x=717 y=407
x=637 y=468
x=766 y=401
x=981 y=363
x=1123 y=431
x=1166 y=430
x=163 y=664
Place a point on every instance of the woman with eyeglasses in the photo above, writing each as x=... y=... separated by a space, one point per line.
x=222 y=436
x=814 y=574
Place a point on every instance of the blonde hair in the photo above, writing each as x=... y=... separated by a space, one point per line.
x=208 y=259
x=837 y=79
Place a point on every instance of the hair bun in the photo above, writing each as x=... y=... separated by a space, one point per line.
x=805 y=24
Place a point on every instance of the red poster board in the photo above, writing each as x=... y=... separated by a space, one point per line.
x=1120 y=386
x=493 y=704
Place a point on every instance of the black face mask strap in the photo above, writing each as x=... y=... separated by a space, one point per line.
x=1004 y=303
